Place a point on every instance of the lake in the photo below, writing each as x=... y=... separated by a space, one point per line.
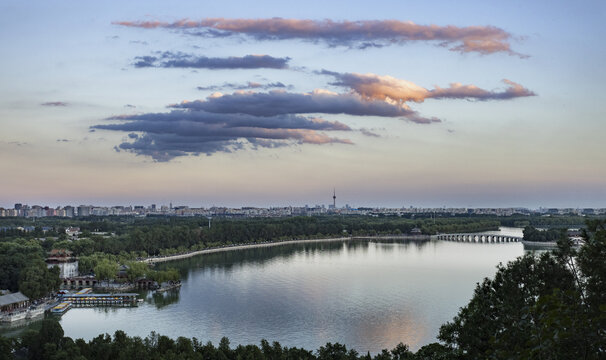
x=369 y=295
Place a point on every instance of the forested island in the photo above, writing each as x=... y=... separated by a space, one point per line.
x=548 y=306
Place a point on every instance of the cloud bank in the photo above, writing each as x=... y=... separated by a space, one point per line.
x=279 y=102
x=361 y=34
x=180 y=60
x=250 y=120
x=164 y=136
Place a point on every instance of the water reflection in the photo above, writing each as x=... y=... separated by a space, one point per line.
x=160 y=300
x=369 y=295
x=233 y=260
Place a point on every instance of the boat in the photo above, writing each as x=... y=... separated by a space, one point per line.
x=61 y=308
x=35 y=311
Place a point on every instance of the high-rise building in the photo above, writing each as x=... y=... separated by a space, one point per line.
x=69 y=211
x=84 y=210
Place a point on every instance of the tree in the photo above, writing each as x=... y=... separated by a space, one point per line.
x=6 y=348
x=106 y=269
x=136 y=270
x=36 y=280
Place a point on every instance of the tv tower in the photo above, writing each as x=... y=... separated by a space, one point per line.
x=334 y=198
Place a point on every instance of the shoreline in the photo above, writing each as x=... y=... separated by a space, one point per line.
x=159 y=259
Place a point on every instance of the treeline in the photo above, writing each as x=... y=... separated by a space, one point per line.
x=22 y=268
x=549 y=235
x=50 y=343
x=149 y=236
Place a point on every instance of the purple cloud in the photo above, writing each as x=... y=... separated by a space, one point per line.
x=280 y=102
x=54 y=103
x=181 y=60
x=361 y=34
x=164 y=136
x=247 y=86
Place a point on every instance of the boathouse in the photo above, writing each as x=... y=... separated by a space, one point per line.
x=79 y=281
x=14 y=301
x=145 y=283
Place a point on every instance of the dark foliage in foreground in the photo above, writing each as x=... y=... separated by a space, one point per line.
x=49 y=343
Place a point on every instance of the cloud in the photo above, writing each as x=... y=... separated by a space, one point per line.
x=55 y=103
x=247 y=86
x=181 y=60
x=164 y=136
x=277 y=118
x=281 y=102
x=387 y=88
x=367 y=132
x=459 y=91
x=361 y=34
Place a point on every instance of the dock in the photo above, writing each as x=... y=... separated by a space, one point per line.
x=89 y=299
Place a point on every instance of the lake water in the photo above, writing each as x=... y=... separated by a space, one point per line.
x=369 y=295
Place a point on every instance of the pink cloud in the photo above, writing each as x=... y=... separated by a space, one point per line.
x=390 y=89
x=361 y=34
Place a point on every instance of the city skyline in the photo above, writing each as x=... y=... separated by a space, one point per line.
x=432 y=104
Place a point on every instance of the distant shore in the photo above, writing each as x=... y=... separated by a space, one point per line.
x=159 y=259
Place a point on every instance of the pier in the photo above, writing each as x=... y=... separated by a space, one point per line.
x=86 y=300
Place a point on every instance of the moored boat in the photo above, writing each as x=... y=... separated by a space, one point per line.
x=61 y=308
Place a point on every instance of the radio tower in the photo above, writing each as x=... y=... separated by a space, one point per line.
x=334 y=199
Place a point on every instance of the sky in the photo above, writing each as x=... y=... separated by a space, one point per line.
x=274 y=103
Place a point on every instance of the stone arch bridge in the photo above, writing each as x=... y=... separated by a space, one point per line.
x=478 y=238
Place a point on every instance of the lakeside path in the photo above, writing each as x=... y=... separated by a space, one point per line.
x=159 y=259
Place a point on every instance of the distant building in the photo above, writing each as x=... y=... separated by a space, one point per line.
x=416 y=231
x=69 y=211
x=72 y=231
x=84 y=210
